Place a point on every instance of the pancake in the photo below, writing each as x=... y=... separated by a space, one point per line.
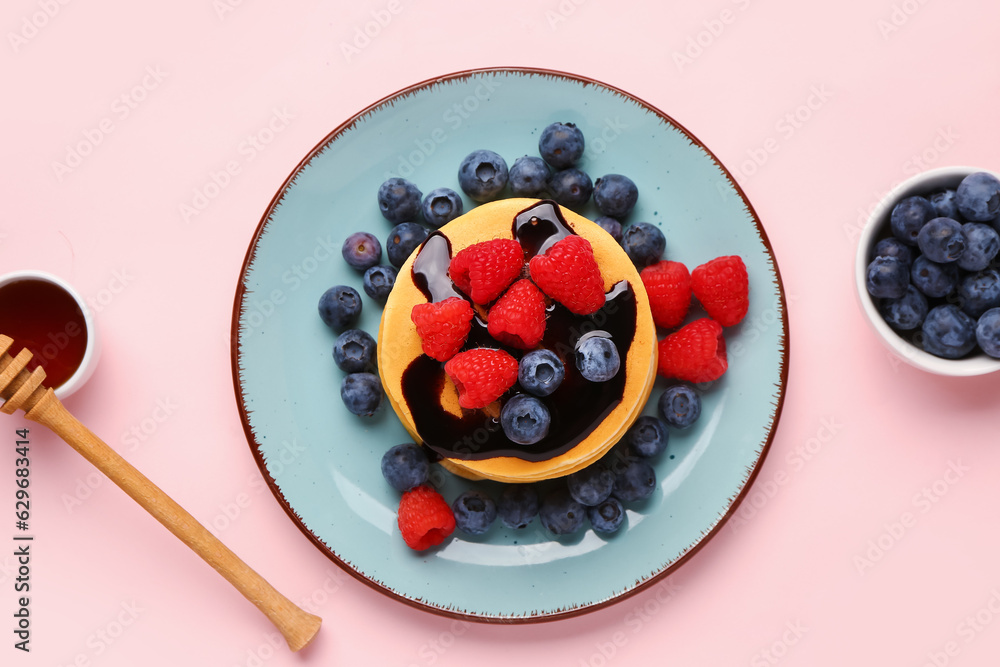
x=587 y=418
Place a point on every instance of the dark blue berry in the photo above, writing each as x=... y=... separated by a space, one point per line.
x=887 y=278
x=529 y=177
x=340 y=306
x=540 y=372
x=907 y=312
x=440 y=206
x=405 y=466
x=941 y=240
x=944 y=203
x=611 y=226
x=979 y=292
x=570 y=187
x=636 y=481
x=354 y=351
x=908 y=216
x=948 y=332
x=378 y=282
x=978 y=197
x=361 y=393
x=525 y=419
x=399 y=200
x=933 y=279
x=679 y=406
x=474 y=512
x=362 y=250
x=615 y=195
x=982 y=245
x=482 y=175
x=403 y=240
x=560 y=514
x=592 y=485
x=561 y=145
x=988 y=332
x=893 y=247
x=647 y=437
x=607 y=517
x=643 y=243
x=596 y=357
x=518 y=505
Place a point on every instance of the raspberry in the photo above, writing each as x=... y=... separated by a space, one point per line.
x=424 y=518
x=518 y=317
x=722 y=287
x=484 y=270
x=481 y=376
x=668 y=285
x=694 y=353
x=442 y=326
x=568 y=273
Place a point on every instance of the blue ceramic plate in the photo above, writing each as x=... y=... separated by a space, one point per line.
x=323 y=463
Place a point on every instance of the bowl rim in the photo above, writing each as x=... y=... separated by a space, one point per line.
x=923 y=183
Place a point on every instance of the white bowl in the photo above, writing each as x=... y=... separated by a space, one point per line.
x=92 y=350
x=876 y=228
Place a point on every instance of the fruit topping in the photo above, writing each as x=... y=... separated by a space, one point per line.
x=540 y=372
x=484 y=270
x=568 y=273
x=597 y=357
x=481 y=376
x=525 y=419
x=442 y=326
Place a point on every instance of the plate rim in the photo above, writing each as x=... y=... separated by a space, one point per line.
x=242 y=292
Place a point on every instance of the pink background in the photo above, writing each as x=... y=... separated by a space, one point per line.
x=817 y=569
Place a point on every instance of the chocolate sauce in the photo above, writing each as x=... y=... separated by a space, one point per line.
x=576 y=407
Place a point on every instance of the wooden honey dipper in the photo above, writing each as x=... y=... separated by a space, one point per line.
x=23 y=389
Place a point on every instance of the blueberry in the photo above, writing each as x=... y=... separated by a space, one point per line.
x=988 y=332
x=362 y=250
x=560 y=514
x=561 y=145
x=615 y=195
x=597 y=357
x=540 y=372
x=403 y=240
x=679 y=406
x=399 y=200
x=340 y=306
x=361 y=393
x=644 y=243
x=907 y=312
x=933 y=279
x=893 y=247
x=405 y=466
x=647 y=437
x=378 y=282
x=592 y=485
x=944 y=203
x=607 y=517
x=948 y=332
x=570 y=187
x=941 y=240
x=982 y=245
x=518 y=505
x=529 y=177
x=636 y=481
x=887 y=278
x=908 y=216
x=979 y=292
x=354 y=351
x=525 y=419
x=440 y=206
x=482 y=175
x=611 y=226
x=978 y=197
x=474 y=512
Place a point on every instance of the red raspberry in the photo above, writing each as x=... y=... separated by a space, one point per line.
x=568 y=273
x=722 y=287
x=424 y=518
x=694 y=353
x=518 y=317
x=481 y=376
x=668 y=285
x=442 y=326
x=484 y=270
